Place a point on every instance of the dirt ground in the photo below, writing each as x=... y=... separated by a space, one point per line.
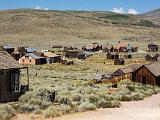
x=147 y=109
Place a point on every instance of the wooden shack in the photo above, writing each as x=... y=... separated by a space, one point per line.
x=149 y=74
x=32 y=59
x=112 y=55
x=71 y=54
x=119 y=61
x=16 y=55
x=153 y=47
x=51 y=57
x=10 y=83
x=128 y=56
x=92 y=47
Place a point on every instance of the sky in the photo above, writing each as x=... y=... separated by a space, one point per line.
x=119 y=6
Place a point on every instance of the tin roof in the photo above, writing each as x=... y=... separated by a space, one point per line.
x=34 y=56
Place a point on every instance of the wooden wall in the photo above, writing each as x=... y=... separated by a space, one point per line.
x=144 y=72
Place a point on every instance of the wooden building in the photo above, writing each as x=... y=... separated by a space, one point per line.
x=151 y=58
x=92 y=47
x=71 y=54
x=112 y=55
x=32 y=59
x=107 y=48
x=51 y=57
x=10 y=84
x=153 y=47
x=149 y=74
x=125 y=47
x=128 y=56
x=119 y=61
x=16 y=55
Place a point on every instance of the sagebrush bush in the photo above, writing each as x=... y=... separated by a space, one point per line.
x=52 y=111
x=6 y=112
x=85 y=106
x=65 y=109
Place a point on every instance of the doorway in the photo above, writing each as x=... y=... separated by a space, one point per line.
x=144 y=80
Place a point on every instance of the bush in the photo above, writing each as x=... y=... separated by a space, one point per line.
x=85 y=106
x=65 y=109
x=108 y=104
x=26 y=97
x=76 y=97
x=52 y=111
x=126 y=97
x=93 y=98
x=6 y=112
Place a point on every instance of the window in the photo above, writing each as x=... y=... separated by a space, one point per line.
x=14 y=81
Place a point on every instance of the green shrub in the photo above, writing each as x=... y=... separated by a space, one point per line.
x=126 y=97
x=26 y=97
x=85 y=106
x=6 y=112
x=137 y=96
x=93 y=98
x=76 y=97
x=108 y=104
x=65 y=109
x=52 y=111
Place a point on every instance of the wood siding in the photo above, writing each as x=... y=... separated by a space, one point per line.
x=144 y=72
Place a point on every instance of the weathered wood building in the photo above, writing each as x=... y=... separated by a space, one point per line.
x=112 y=55
x=51 y=57
x=148 y=74
x=153 y=47
x=10 y=83
x=119 y=61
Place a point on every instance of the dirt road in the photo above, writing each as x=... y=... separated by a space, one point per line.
x=147 y=109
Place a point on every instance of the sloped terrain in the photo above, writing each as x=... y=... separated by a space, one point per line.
x=41 y=28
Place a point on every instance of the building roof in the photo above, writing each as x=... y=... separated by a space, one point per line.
x=107 y=46
x=152 y=44
x=7 y=61
x=50 y=54
x=129 y=69
x=30 y=49
x=8 y=47
x=154 y=68
x=34 y=56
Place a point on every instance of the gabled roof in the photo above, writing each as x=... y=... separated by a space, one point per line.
x=129 y=69
x=154 y=68
x=7 y=61
x=34 y=56
x=50 y=54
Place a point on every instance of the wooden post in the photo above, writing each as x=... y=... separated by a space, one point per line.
x=28 y=77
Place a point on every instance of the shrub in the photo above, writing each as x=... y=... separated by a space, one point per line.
x=39 y=111
x=85 y=106
x=137 y=96
x=126 y=97
x=93 y=98
x=76 y=97
x=26 y=97
x=28 y=108
x=6 y=112
x=65 y=109
x=108 y=104
x=52 y=111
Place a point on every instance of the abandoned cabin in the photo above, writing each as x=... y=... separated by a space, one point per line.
x=10 y=84
x=112 y=55
x=148 y=74
x=125 y=47
x=92 y=47
x=152 y=58
x=145 y=74
x=71 y=53
x=32 y=59
x=153 y=47
x=107 y=48
x=119 y=61
x=51 y=57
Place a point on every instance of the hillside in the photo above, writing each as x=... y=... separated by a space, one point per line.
x=41 y=28
x=153 y=14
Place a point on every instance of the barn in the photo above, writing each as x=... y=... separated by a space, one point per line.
x=149 y=74
x=10 y=84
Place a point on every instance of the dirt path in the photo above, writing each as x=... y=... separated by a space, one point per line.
x=148 y=109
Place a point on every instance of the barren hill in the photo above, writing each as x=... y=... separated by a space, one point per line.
x=41 y=28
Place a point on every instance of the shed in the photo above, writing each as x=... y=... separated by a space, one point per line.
x=72 y=54
x=32 y=59
x=119 y=61
x=112 y=55
x=153 y=47
x=10 y=83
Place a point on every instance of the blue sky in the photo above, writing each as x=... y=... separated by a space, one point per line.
x=139 y=6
